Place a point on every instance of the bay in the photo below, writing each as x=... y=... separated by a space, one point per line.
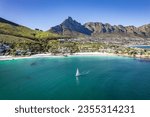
x=104 y=78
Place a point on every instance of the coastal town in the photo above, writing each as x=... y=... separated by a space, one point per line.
x=65 y=48
x=71 y=37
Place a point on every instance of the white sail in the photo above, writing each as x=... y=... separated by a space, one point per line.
x=77 y=73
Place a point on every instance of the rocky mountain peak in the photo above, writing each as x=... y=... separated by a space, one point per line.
x=70 y=27
x=69 y=19
x=70 y=23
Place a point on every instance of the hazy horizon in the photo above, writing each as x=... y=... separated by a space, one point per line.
x=47 y=13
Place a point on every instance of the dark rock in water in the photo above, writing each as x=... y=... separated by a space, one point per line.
x=33 y=64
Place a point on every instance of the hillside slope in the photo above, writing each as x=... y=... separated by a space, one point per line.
x=10 y=28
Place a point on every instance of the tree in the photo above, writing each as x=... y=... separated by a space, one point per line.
x=53 y=46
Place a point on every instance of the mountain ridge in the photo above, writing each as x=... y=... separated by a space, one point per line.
x=97 y=28
x=72 y=28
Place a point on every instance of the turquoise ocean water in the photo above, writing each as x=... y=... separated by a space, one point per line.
x=54 y=78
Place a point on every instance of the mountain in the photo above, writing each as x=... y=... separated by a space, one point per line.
x=14 y=29
x=145 y=29
x=128 y=31
x=98 y=29
x=71 y=27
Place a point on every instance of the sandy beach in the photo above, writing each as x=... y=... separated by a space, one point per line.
x=2 y=58
x=58 y=55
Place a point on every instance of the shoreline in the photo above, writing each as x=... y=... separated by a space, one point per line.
x=3 y=58
x=47 y=55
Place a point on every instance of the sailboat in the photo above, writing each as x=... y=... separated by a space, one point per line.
x=77 y=73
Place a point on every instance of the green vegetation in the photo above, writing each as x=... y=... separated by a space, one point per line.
x=25 y=41
x=21 y=31
x=21 y=38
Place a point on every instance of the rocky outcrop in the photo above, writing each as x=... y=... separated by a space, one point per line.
x=4 y=48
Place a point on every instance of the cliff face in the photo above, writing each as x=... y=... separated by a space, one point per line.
x=72 y=27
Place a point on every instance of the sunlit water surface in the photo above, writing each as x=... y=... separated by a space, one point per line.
x=104 y=77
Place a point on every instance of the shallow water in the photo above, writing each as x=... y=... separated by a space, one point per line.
x=107 y=77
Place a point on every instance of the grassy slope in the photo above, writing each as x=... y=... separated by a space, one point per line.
x=13 y=39
x=21 y=31
x=16 y=30
x=23 y=38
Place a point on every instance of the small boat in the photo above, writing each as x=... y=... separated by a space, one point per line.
x=77 y=73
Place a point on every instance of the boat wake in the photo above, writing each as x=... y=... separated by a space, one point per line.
x=78 y=74
x=82 y=73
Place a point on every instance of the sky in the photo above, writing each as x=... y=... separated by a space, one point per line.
x=44 y=14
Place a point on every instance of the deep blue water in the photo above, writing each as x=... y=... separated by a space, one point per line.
x=107 y=78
